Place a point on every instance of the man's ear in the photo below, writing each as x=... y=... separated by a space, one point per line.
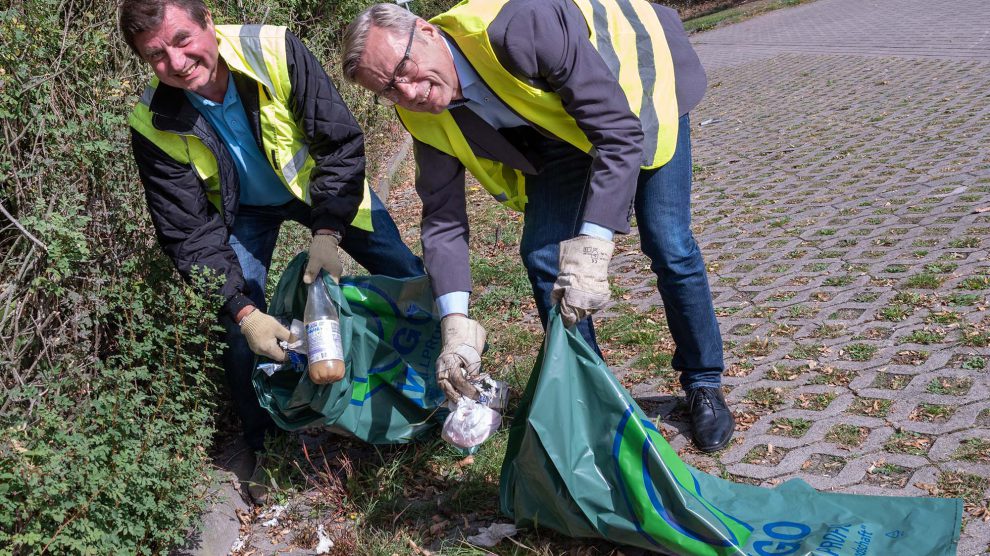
x=426 y=29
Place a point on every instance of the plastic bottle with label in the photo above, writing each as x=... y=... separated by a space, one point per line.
x=325 y=350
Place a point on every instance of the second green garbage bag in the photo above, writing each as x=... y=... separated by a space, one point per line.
x=584 y=460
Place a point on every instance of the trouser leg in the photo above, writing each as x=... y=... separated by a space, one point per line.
x=663 y=212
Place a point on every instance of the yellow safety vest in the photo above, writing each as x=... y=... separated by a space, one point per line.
x=257 y=51
x=631 y=41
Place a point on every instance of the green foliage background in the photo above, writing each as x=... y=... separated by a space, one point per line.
x=108 y=364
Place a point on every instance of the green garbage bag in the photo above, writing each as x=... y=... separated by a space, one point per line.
x=391 y=339
x=584 y=460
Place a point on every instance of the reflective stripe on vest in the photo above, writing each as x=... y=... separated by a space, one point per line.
x=186 y=149
x=257 y=51
x=628 y=36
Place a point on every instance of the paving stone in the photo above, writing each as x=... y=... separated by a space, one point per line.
x=841 y=173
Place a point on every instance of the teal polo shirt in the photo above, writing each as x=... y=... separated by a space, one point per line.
x=260 y=185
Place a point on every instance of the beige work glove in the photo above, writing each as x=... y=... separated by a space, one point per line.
x=581 y=288
x=263 y=333
x=323 y=255
x=460 y=358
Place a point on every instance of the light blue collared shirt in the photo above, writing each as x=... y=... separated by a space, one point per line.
x=478 y=97
x=260 y=185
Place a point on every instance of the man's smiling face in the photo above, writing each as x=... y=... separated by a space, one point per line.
x=183 y=54
x=424 y=80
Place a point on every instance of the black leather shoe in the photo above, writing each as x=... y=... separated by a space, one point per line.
x=711 y=420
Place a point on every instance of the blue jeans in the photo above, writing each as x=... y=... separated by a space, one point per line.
x=253 y=241
x=663 y=212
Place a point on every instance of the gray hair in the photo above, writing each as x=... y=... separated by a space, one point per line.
x=390 y=17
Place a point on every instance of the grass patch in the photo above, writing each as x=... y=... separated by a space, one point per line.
x=871 y=407
x=949 y=386
x=941 y=268
x=914 y=299
x=963 y=299
x=924 y=336
x=975 y=283
x=968 y=242
x=782 y=372
x=956 y=484
x=766 y=398
x=736 y=14
x=825 y=465
x=887 y=475
x=847 y=436
x=932 y=413
x=766 y=454
x=814 y=402
x=808 y=351
x=975 y=336
x=924 y=280
x=891 y=381
x=792 y=427
x=800 y=311
x=758 y=347
x=910 y=357
x=973 y=449
x=781 y=296
x=974 y=363
x=832 y=376
x=866 y=297
x=502 y=289
x=894 y=313
x=629 y=328
x=835 y=281
x=860 y=352
x=943 y=317
x=907 y=442
x=829 y=331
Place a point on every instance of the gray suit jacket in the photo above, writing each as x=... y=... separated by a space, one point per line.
x=545 y=43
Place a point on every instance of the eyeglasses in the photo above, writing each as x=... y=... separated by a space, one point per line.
x=388 y=96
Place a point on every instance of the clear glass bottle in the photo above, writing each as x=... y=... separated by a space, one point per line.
x=325 y=350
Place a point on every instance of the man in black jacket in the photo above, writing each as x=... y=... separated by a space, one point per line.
x=241 y=130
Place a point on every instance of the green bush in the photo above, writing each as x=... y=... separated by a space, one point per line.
x=114 y=462
x=107 y=362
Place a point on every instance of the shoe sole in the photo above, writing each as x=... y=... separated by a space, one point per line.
x=715 y=448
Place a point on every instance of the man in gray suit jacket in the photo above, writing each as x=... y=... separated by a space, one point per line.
x=575 y=112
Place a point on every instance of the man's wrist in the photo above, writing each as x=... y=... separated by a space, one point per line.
x=594 y=230
x=451 y=303
x=243 y=313
x=328 y=232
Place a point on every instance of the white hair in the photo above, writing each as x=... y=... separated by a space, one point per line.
x=390 y=17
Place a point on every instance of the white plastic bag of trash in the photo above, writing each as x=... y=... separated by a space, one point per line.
x=492 y=535
x=326 y=543
x=470 y=423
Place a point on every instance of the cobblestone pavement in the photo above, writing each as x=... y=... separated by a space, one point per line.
x=842 y=174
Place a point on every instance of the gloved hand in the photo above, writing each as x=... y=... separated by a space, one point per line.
x=581 y=288
x=460 y=358
x=263 y=333
x=323 y=255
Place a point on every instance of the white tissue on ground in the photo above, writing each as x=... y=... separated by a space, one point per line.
x=490 y=536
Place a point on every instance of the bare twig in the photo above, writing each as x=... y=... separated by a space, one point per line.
x=22 y=228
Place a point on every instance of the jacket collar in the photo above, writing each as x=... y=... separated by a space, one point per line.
x=172 y=111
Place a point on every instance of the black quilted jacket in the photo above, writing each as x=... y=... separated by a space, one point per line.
x=190 y=229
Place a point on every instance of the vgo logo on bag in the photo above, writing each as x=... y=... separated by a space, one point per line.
x=788 y=537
